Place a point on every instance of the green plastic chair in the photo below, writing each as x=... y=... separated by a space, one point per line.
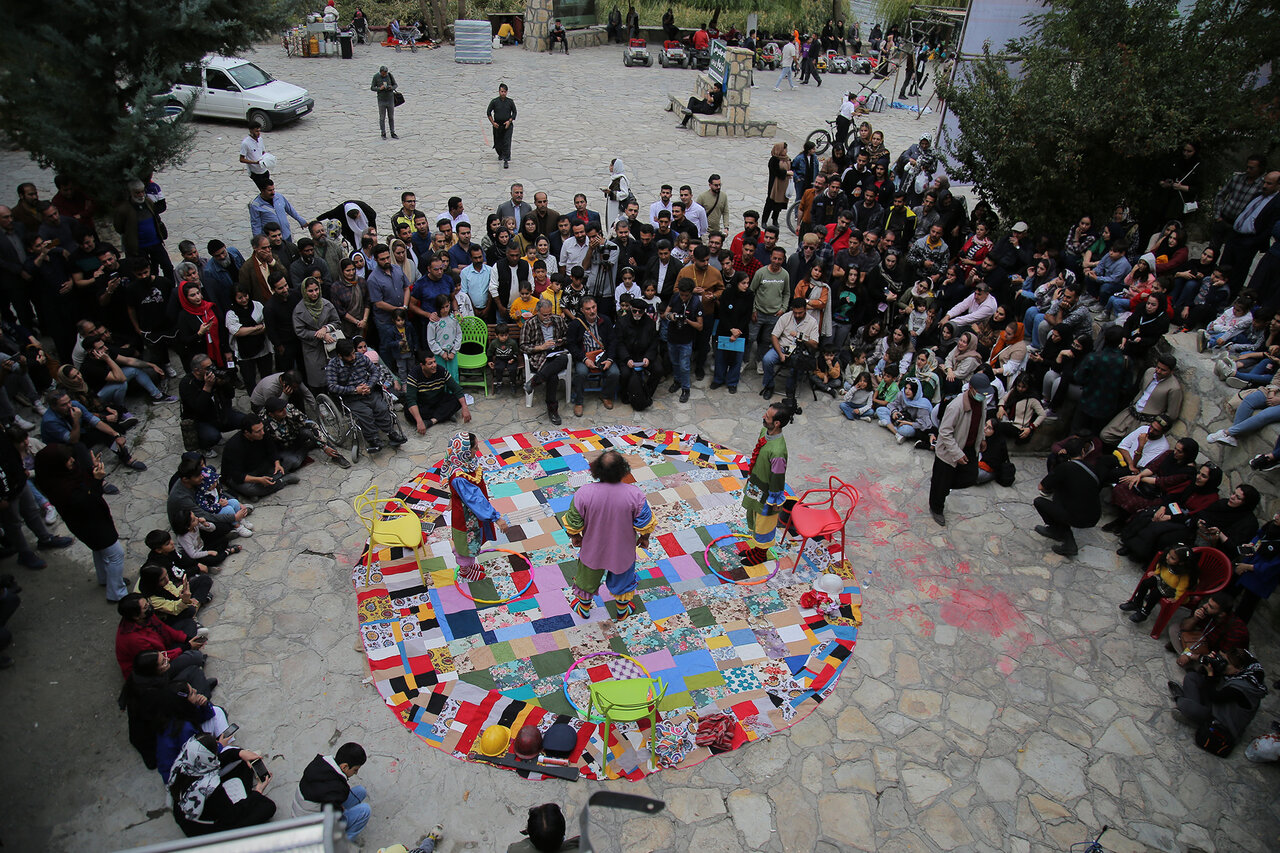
x=473 y=354
x=627 y=701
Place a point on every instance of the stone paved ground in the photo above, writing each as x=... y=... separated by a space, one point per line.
x=997 y=700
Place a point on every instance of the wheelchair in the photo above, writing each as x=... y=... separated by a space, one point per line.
x=338 y=427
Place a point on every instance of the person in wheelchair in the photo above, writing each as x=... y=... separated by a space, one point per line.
x=352 y=377
x=795 y=341
x=295 y=435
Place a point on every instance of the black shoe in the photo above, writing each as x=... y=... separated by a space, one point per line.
x=506 y=164
x=1175 y=690
x=384 y=136
x=397 y=439
x=733 y=389
x=393 y=135
x=673 y=387
x=554 y=415
x=699 y=374
x=1139 y=615
x=373 y=448
x=939 y=517
x=1048 y=532
x=684 y=395
x=715 y=385
x=110 y=489
x=1129 y=606
x=213 y=684
x=1066 y=549
x=767 y=392
x=1124 y=551
x=1114 y=526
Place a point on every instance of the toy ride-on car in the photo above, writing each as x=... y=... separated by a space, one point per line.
x=700 y=59
x=768 y=57
x=863 y=64
x=673 y=54
x=636 y=53
x=838 y=63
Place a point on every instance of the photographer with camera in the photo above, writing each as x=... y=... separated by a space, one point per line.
x=795 y=340
x=1220 y=701
x=684 y=319
x=1258 y=571
x=295 y=435
x=206 y=395
x=1211 y=629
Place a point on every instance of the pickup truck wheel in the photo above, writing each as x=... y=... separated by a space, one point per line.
x=260 y=118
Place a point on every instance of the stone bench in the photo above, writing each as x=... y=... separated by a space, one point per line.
x=734 y=116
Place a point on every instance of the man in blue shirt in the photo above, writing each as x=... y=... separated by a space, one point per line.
x=422 y=298
x=67 y=422
x=388 y=290
x=1106 y=279
x=271 y=206
x=479 y=281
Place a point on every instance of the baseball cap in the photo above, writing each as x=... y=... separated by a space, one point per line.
x=1020 y=226
x=980 y=385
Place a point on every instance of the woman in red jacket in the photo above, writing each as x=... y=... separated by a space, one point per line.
x=141 y=630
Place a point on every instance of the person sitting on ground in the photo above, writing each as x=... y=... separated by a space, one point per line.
x=70 y=423
x=212 y=498
x=1166 y=479
x=1172 y=575
x=1256 y=364
x=1020 y=412
x=71 y=380
x=184 y=499
x=109 y=374
x=254 y=466
x=140 y=630
x=1257 y=573
x=1210 y=629
x=993 y=456
x=1141 y=446
x=215 y=790
x=433 y=396
x=1221 y=701
x=288 y=386
x=1228 y=324
x=352 y=376
x=161 y=551
x=857 y=402
x=909 y=414
x=164 y=713
x=206 y=394
x=324 y=783
x=175 y=603
x=192 y=545
x=295 y=435
x=544 y=832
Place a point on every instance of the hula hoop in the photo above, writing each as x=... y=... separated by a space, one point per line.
x=706 y=558
x=574 y=704
x=457 y=582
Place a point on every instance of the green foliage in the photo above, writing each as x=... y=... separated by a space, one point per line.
x=80 y=79
x=1108 y=90
x=774 y=14
x=889 y=12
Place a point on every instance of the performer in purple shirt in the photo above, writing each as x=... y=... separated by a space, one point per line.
x=606 y=521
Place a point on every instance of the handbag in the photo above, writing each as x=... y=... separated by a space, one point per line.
x=397 y=99
x=337 y=335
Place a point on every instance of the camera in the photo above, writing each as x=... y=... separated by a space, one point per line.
x=1211 y=660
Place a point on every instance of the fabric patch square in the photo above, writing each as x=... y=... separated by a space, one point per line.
x=513 y=674
x=741 y=679
x=663 y=607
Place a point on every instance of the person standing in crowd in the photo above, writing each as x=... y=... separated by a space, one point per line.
x=502 y=115
x=955 y=463
x=384 y=83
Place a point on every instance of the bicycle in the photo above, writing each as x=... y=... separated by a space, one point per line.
x=1093 y=846
x=822 y=139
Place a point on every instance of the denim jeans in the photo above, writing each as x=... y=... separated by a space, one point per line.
x=228 y=512
x=580 y=374
x=681 y=355
x=728 y=368
x=356 y=811
x=108 y=563
x=1257 y=371
x=1253 y=415
x=388 y=349
x=852 y=413
x=114 y=393
x=785 y=75
x=772 y=361
x=1031 y=322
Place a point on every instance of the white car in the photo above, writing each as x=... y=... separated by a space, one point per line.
x=227 y=87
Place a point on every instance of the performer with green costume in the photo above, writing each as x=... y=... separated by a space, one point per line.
x=765 y=491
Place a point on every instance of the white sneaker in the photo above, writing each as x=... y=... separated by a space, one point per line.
x=243 y=532
x=901 y=438
x=40 y=408
x=246 y=524
x=760 y=368
x=1223 y=437
x=22 y=423
x=50 y=514
x=249 y=508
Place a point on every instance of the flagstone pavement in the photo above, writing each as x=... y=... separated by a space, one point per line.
x=997 y=699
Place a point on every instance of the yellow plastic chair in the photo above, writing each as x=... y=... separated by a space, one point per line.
x=473 y=354
x=390 y=522
x=627 y=700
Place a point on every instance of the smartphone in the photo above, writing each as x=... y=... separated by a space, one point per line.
x=229 y=732
x=259 y=768
x=1174 y=509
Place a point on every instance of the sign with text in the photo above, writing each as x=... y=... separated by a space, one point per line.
x=719 y=68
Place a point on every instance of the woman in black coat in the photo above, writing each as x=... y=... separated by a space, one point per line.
x=637 y=343
x=216 y=789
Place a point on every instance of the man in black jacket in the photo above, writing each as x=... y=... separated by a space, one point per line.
x=1074 y=502
x=324 y=782
x=206 y=399
x=253 y=466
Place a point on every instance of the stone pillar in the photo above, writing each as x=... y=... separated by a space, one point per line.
x=537 y=24
x=735 y=119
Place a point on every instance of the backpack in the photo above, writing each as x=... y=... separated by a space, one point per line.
x=1212 y=736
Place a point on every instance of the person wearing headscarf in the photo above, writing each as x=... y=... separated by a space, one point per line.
x=1203 y=518
x=961 y=363
x=619 y=188
x=471 y=516
x=316 y=323
x=215 y=789
x=779 y=179
x=355 y=216
x=198 y=328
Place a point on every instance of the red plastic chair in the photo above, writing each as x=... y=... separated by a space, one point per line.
x=1215 y=574
x=824 y=517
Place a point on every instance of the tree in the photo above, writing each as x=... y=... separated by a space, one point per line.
x=81 y=78
x=1102 y=94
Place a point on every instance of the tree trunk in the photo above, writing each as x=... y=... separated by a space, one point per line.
x=715 y=19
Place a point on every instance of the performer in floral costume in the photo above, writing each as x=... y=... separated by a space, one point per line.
x=471 y=516
x=606 y=521
x=765 y=491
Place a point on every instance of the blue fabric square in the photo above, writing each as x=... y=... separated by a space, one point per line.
x=525 y=693
x=661 y=608
x=560 y=504
x=514 y=632
x=552 y=623
x=465 y=623
x=742 y=637
x=577 y=462
x=717 y=530
x=693 y=663
x=796 y=662
x=673 y=679
x=550 y=466
x=522 y=605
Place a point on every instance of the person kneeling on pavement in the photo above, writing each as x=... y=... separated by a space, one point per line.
x=1221 y=701
x=1069 y=499
x=353 y=377
x=254 y=467
x=295 y=435
x=324 y=782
